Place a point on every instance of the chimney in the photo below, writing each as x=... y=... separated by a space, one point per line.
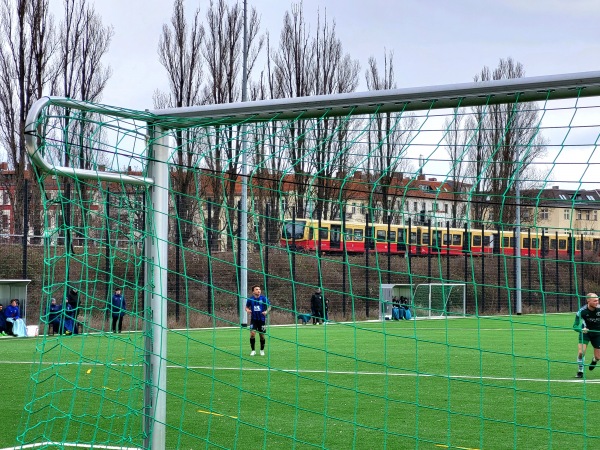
x=357 y=175
x=555 y=187
x=128 y=169
x=3 y=166
x=433 y=179
x=101 y=167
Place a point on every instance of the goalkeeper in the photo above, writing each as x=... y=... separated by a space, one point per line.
x=587 y=324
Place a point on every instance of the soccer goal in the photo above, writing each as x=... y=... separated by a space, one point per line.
x=186 y=209
x=439 y=299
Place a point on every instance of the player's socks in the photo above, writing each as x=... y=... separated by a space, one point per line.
x=252 y=343
x=580 y=364
x=593 y=364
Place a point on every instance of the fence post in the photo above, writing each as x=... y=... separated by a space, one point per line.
x=25 y=226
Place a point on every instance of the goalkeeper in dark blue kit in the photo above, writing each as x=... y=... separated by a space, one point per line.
x=258 y=306
x=587 y=324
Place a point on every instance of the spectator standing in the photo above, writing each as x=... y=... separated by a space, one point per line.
x=73 y=309
x=317 y=307
x=118 y=309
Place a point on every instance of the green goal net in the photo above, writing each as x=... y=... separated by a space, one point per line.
x=481 y=195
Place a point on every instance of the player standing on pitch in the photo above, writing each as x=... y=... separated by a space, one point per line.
x=258 y=306
x=587 y=324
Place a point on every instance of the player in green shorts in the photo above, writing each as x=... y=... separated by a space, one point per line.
x=587 y=325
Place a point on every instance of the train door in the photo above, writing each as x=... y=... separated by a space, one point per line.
x=401 y=240
x=436 y=241
x=466 y=241
x=335 y=242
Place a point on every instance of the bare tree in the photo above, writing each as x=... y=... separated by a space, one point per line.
x=83 y=41
x=388 y=139
x=293 y=76
x=179 y=52
x=333 y=73
x=223 y=52
x=27 y=37
x=458 y=139
x=503 y=131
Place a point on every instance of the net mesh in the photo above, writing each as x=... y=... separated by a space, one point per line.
x=342 y=202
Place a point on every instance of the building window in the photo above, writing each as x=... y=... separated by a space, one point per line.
x=578 y=215
x=415 y=207
x=446 y=208
x=544 y=214
x=587 y=215
x=567 y=214
x=353 y=208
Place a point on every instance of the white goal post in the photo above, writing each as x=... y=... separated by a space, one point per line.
x=427 y=300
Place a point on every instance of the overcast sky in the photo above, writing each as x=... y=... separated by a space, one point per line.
x=434 y=42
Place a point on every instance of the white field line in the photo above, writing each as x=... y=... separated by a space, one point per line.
x=333 y=372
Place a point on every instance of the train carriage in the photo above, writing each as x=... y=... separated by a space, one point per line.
x=353 y=237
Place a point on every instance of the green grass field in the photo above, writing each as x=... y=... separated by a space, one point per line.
x=487 y=383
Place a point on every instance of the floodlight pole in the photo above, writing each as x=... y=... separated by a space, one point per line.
x=518 y=298
x=244 y=174
x=155 y=300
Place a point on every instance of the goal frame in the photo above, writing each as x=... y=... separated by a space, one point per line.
x=159 y=122
x=388 y=291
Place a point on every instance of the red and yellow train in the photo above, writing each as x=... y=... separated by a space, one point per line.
x=335 y=235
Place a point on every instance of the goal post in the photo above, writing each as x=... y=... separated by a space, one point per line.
x=439 y=300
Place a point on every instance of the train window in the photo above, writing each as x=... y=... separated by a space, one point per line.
x=413 y=237
x=552 y=244
x=445 y=241
x=476 y=240
x=512 y=241
x=425 y=238
x=381 y=235
x=294 y=230
x=506 y=242
x=324 y=233
x=437 y=238
x=358 y=234
x=349 y=234
x=456 y=239
x=587 y=245
x=401 y=236
x=486 y=241
x=535 y=243
x=578 y=245
x=392 y=237
x=562 y=244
